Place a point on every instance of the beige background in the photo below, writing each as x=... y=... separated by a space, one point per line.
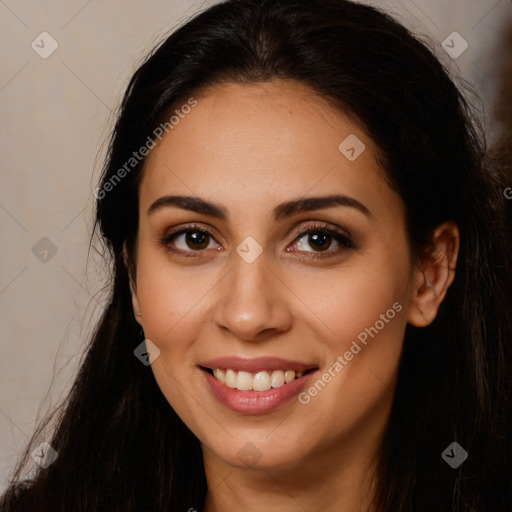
x=56 y=114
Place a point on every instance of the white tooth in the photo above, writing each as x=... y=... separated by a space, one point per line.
x=219 y=374
x=230 y=379
x=244 y=381
x=277 y=378
x=261 y=382
x=289 y=376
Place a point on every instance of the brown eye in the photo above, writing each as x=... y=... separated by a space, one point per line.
x=193 y=240
x=196 y=239
x=189 y=240
x=320 y=241
x=314 y=241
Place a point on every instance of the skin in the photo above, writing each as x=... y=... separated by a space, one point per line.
x=249 y=148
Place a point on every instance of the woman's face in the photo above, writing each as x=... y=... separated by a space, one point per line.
x=248 y=291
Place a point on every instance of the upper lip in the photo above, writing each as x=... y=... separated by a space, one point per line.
x=253 y=365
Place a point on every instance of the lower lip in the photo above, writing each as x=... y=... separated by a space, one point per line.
x=255 y=402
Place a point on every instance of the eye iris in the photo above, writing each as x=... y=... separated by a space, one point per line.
x=319 y=240
x=196 y=240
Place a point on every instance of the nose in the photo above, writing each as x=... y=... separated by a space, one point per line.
x=252 y=304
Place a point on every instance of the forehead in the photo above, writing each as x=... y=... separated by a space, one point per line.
x=250 y=145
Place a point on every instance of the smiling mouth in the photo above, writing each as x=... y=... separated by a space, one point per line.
x=260 y=381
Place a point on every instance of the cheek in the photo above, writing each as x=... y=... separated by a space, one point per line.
x=362 y=313
x=173 y=306
x=342 y=303
x=172 y=300
x=359 y=315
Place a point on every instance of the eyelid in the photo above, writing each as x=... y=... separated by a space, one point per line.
x=192 y=227
x=321 y=226
x=342 y=236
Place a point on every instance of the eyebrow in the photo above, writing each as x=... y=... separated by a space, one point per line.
x=283 y=210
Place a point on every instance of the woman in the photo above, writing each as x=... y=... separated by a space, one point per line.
x=308 y=236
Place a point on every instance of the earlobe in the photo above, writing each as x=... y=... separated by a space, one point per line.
x=437 y=273
x=133 y=288
x=135 y=303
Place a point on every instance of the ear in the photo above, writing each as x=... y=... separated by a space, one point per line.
x=133 y=287
x=436 y=274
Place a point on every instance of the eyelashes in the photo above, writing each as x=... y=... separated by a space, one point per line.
x=344 y=240
x=306 y=237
